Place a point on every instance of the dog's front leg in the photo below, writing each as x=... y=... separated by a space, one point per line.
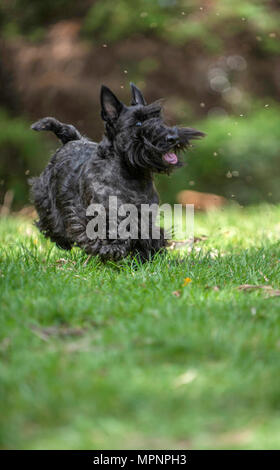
x=121 y=232
x=147 y=248
x=114 y=249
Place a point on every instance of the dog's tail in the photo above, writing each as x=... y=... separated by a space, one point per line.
x=65 y=132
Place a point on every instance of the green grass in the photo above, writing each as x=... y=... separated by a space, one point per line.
x=106 y=356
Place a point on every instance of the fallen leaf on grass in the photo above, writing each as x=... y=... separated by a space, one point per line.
x=269 y=290
x=185 y=378
x=179 y=244
x=177 y=293
x=64 y=331
x=202 y=238
x=80 y=277
x=87 y=260
x=63 y=261
x=215 y=254
x=264 y=276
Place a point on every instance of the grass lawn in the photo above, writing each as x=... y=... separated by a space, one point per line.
x=108 y=356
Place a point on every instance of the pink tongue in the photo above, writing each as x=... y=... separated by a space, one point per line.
x=171 y=158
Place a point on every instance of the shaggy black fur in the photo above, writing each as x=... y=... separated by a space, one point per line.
x=83 y=172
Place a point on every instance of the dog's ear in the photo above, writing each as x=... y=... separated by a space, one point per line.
x=137 y=97
x=111 y=107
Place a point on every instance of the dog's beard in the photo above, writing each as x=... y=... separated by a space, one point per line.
x=161 y=158
x=147 y=153
x=150 y=151
x=150 y=157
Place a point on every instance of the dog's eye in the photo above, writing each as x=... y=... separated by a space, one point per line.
x=138 y=124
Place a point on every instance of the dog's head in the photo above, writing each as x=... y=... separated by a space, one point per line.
x=139 y=135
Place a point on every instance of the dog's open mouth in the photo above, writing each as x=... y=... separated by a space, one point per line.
x=170 y=158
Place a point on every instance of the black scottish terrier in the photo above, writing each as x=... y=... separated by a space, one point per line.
x=136 y=144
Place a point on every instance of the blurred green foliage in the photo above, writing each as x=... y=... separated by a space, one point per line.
x=183 y=20
x=115 y=20
x=239 y=158
x=176 y=21
x=23 y=153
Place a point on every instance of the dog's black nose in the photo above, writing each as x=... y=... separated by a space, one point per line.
x=172 y=138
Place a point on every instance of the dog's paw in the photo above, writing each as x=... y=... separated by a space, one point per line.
x=113 y=252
